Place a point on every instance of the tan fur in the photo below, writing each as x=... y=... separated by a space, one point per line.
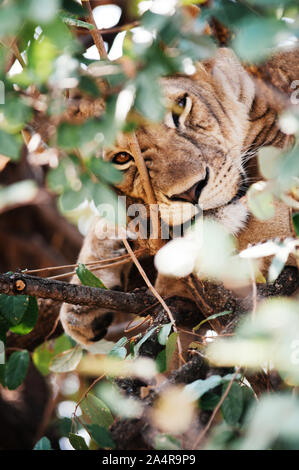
x=227 y=112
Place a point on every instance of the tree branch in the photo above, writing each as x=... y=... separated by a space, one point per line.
x=129 y=302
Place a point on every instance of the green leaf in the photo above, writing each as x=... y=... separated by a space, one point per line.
x=43 y=444
x=44 y=353
x=199 y=387
x=118 y=349
x=105 y=171
x=13 y=307
x=209 y=401
x=74 y=7
x=296 y=223
x=256 y=36
x=87 y=278
x=16 y=113
x=101 y=436
x=164 y=333
x=161 y=361
x=147 y=87
x=70 y=199
x=232 y=406
x=211 y=317
x=29 y=318
x=10 y=145
x=68 y=136
x=71 y=20
x=78 y=442
x=16 y=369
x=97 y=411
x=170 y=348
x=109 y=205
x=42 y=358
x=143 y=340
x=67 y=360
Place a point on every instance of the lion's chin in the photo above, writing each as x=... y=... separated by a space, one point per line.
x=178 y=213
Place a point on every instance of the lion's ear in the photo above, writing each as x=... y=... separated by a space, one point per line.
x=229 y=74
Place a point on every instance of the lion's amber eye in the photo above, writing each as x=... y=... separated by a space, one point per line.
x=121 y=158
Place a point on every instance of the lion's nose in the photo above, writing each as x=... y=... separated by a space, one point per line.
x=193 y=194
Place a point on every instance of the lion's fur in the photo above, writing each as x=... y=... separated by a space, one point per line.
x=233 y=113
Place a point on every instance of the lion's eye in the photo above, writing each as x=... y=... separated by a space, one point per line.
x=179 y=112
x=121 y=158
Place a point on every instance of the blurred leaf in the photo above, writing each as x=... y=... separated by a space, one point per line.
x=41 y=55
x=269 y=159
x=254 y=32
x=77 y=442
x=147 y=87
x=16 y=369
x=10 y=20
x=29 y=318
x=10 y=145
x=119 y=404
x=43 y=444
x=118 y=349
x=109 y=205
x=70 y=199
x=87 y=278
x=166 y=442
x=105 y=170
x=101 y=436
x=164 y=333
x=41 y=11
x=260 y=201
x=232 y=407
x=68 y=136
x=18 y=193
x=44 y=353
x=13 y=307
x=67 y=360
x=97 y=411
x=296 y=223
x=88 y=85
x=16 y=113
x=278 y=263
x=274 y=416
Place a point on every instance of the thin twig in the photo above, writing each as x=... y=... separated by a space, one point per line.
x=156 y=241
x=91 y=263
x=96 y=36
x=115 y=29
x=156 y=294
x=93 y=268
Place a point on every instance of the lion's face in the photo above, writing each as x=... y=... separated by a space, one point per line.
x=195 y=156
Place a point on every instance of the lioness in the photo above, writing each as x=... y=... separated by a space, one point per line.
x=216 y=118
